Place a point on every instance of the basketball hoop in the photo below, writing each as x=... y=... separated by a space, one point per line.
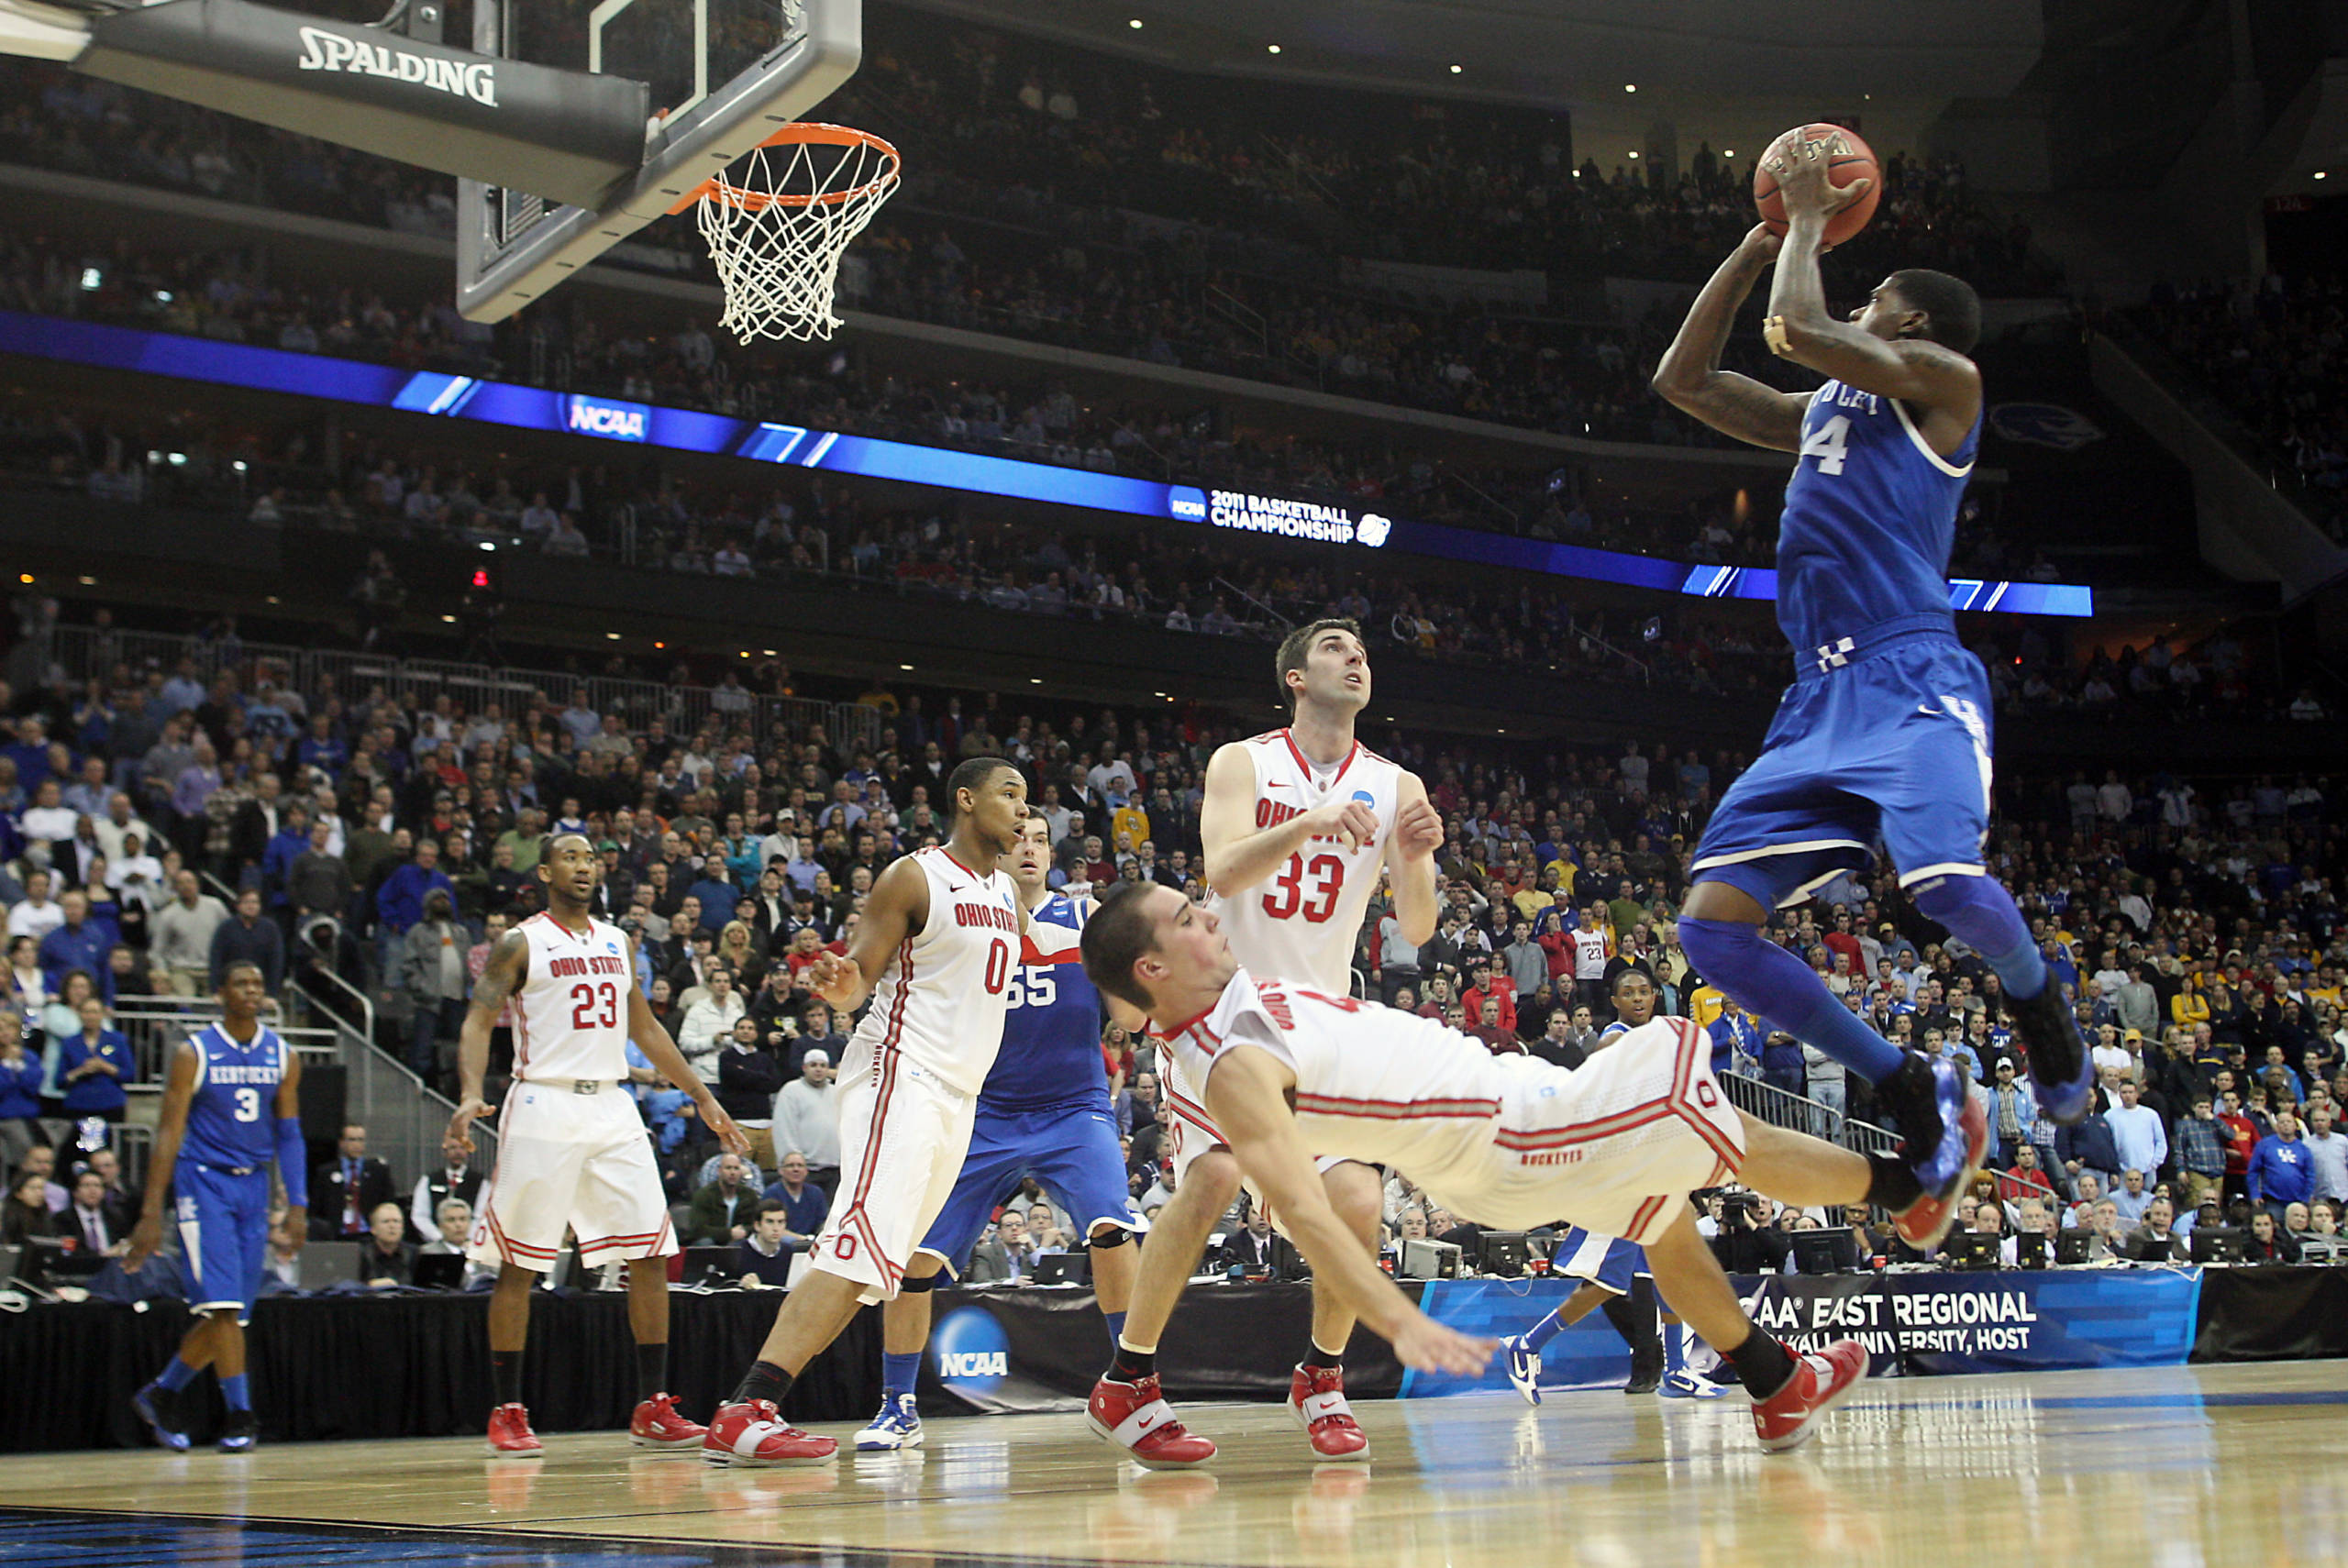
x=778 y=222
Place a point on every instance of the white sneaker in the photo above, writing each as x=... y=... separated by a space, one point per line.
x=897 y=1425
x=1523 y=1367
x=1683 y=1384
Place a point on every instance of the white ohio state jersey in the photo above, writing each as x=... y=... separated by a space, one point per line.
x=1301 y=922
x=569 y=1019
x=941 y=1001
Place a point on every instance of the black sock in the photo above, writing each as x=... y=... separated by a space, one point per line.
x=651 y=1370
x=1890 y=1183
x=1762 y=1363
x=505 y=1375
x=1132 y=1365
x=767 y=1381
x=1318 y=1360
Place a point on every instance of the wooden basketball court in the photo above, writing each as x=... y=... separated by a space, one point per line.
x=2171 y=1467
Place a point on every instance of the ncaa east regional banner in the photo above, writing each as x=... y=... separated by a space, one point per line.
x=1916 y=1324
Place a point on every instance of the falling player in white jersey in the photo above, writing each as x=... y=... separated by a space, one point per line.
x=1509 y=1142
x=1297 y=824
x=572 y=1152
x=937 y=947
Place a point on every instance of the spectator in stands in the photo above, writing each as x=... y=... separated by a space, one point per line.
x=2327 y=1151
x=2268 y=1241
x=2137 y=1135
x=181 y=932
x=247 y=938
x=20 y=1087
x=77 y=943
x=708 y=1023
x=2200 y=1152
x=400 y=903
x=95 y=1220
x=765 y=1253
x=93 y=1063
x=432 y=975
x=807 y=1118
x=385 y=1258
x=455 y=1179
x=748 y=1081
x=2281 y=1171
x=26 y=1220
x=346 y=1191
x=722 y=1210
x=317 y=881
x=2155 y=1240
x=803 y=1203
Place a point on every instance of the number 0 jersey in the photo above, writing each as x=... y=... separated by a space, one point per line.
x=1869 y=519
x=570 y=1016
x=1301 y=922
x=232 y=1120
x=941 y=999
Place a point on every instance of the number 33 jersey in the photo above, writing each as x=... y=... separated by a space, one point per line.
x=569 y=1018
x=1301 y=922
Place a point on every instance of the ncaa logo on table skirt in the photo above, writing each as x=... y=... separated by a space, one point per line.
x=972 y=1353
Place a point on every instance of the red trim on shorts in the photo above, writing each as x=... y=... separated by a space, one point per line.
x=507 y=1246
x=1394 y=1110
x=1642 y=1218
x=884 y=1062
x=586 y=1247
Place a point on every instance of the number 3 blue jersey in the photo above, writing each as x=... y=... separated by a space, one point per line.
x=1869 y=519
x=232 y=1120
x=1051 y=1034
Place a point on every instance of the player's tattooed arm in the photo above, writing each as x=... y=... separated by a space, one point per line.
x=1689 y=377
x=508 y=967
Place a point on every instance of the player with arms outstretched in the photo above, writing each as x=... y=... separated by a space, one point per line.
x=938 y=944
x=231 y=1104
x=1511 y=1142
x=1886 y=731
x=1297 y=824
x=1043 y=1113
x=572 y=1153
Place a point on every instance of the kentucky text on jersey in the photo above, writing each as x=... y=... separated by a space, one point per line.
x=993 y=916
x=1869 y=519
x=268 y=1074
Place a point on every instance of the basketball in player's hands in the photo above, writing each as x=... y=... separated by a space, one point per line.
x=1800 y=155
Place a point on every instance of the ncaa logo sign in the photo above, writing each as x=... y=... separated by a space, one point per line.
x=1187 y=502
x=600 y=416
x=972 y=1354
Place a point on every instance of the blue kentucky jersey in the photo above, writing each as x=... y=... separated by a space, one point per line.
x=1869 y=518
x=232 y=1121
x=1051 y=1035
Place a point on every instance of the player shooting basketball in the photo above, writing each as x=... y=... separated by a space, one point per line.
x=1886 y=731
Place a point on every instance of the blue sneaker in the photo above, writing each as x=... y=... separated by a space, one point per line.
x=1683 y=1384
x=897 y=1425
x=2060 y=1068
x=241 y=1432
x=1523 y=1367
x=152 y=1405
x=1928 y=1102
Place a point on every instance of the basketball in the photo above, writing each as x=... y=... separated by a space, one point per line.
x=1848 y=158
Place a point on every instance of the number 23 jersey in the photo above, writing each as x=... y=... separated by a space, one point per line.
x=570 y=1016
x=1301 y=922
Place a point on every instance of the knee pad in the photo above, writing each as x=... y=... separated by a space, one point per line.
x=1101 y=1240
x=909 y=1286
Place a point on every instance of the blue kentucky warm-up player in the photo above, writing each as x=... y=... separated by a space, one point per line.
x=1044 y=1112
x=232 y=1105
x=1885 y=732
x=1613 y=1273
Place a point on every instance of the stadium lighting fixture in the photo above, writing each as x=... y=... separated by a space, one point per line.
x=1271 y=48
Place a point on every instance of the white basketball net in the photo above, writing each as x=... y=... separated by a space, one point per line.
x=778 y=224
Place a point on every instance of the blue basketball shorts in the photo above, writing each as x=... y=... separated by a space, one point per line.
x=1607 y=1261
x=224 y=1231
x=1893 y=744
x=1071 y=1151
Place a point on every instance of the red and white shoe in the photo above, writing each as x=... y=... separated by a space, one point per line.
x=656 y=1424
x=1316 y=1397
x=1822 y=1380
x=754 y=1433
x=1137 y=1417
x=510 y=1436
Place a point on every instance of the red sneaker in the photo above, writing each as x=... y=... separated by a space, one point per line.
x=1136 y=1416
x=1923 y=1223
x=656 y=1424
x=1316 y=1397
x=510 y=1436
x=1788 y=1418
x=754 y=1433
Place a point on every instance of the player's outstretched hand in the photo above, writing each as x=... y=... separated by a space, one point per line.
x=1801 y=164
x=145 y=1238
x=458 y=1139
x=1418 y=830
x=1425 y=1346
x=731 y=1137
